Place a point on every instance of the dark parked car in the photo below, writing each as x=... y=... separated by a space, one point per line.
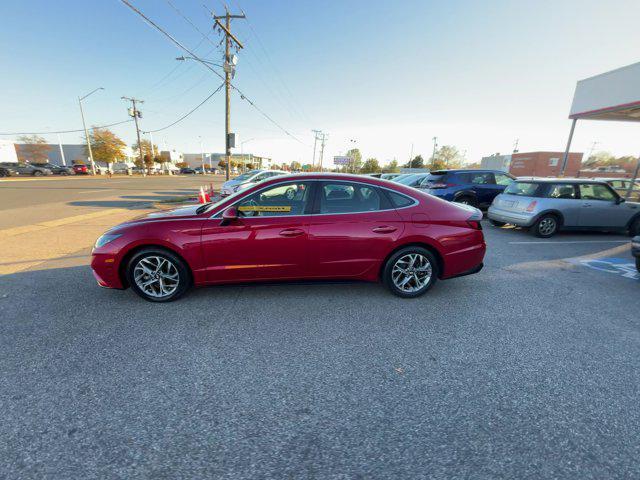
x=471 y=187
x=9 y=169
x=635 y=250
x=26 y=169
x=187 y=171
x=56 y=169
x=412 y=179
x=81 y=169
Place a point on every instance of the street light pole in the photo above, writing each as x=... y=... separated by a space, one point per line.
x=86 y=132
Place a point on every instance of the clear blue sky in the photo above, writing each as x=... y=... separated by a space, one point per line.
x=477 y=75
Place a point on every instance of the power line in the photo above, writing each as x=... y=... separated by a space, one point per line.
x=66 y=131
x=189 y=113
x=242 y=95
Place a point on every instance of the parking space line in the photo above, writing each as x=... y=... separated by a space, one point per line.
x=543 y=242
x=97 y=191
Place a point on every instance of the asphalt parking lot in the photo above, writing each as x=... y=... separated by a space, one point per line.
x=529 y=369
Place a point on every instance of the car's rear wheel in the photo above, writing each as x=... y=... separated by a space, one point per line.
x=3 y=173
x=466 y=201
x=496 y=223
x=158 y=275
x=546 y=226
x=37 y=173
x=410 y=272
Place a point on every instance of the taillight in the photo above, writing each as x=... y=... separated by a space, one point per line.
x=474 y=224
x=532 y=206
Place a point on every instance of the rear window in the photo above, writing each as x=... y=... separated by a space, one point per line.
x=524 y=189
x=435 y=178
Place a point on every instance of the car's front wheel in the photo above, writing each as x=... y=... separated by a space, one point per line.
x=496 y=223
x=546 y=226
x=158 y=275
x=410 y=272
x=37 y=173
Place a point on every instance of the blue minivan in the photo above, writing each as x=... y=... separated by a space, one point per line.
x=472 y=187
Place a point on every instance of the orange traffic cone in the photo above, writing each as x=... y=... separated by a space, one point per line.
x=201 y=196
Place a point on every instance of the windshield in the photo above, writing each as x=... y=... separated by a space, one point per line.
x=411 y=179
x=435 y=178
x=246 y=176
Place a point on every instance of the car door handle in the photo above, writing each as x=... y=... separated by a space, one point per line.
x=384 y=229
x=586 y=204
x=291 y=232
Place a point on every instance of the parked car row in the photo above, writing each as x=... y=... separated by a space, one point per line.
x=12 y=169
x=545 y=206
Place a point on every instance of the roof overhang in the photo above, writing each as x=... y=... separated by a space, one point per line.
x=613 y=95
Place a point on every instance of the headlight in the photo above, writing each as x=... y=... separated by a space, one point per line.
x=106 y=238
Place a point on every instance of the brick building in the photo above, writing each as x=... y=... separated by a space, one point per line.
x=544 y=164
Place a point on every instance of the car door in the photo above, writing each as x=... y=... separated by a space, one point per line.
x=484 y=184
x=600 y=207
x=268 y=240
x=354 y=228
x=564 y=198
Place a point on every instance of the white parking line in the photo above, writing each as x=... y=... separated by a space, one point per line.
x=96 y=191
x=547 y=242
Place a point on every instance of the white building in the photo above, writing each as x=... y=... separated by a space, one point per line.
x=496 y=162
x=8 y=152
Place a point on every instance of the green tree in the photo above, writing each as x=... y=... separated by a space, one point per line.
x=416 y=162
x=392 y=167
x=356 y=160
x=371 y=165
x=295 y=166
x=446 y=156
x=106 y=146
x=34 y=149
x=147 y=151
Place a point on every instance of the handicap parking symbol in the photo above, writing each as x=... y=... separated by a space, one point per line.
x=616 y=266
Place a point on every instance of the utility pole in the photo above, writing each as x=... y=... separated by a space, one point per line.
x=323 y=138
x=86 y=132
x=411 y=157
x=229 y=67
x=135 y=113
x=64 y=161
x=433 y=155
x=316 y=133
x=515 y=145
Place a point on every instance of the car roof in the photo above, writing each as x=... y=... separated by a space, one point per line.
x=559 y=180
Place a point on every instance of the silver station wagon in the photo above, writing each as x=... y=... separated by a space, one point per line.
x=547 y=205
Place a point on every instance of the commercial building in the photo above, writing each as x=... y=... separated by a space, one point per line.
x=496 y=162
x=7 y=152
x=544 y=164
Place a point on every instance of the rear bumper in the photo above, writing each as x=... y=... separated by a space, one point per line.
x=635 y=247
x=507 y=216
x=466 y=261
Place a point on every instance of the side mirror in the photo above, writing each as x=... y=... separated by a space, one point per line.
x=620 y=200
x=229 y=215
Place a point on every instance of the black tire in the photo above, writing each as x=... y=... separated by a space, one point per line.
x=3 y=173
x=496 y=223
x=466 y=200
x=37 y=173
x=546 y=226
x=183 y=273
x=388 y=273
x=634 y=228
x=638 y=264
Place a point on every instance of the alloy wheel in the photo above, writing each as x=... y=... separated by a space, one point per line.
x=547 y=226
x=411 y=272
x=156 y=276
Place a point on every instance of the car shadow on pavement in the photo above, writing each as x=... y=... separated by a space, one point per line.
x=128 y=204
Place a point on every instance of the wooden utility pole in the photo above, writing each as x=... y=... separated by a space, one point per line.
x=135 y=113
x=229 y=67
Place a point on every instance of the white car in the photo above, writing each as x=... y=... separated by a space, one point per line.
x=247 y=180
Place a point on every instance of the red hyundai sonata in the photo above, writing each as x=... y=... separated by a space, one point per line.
x=296 y=227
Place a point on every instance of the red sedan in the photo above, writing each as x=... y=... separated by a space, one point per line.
x=296 y=227
x=80 y=169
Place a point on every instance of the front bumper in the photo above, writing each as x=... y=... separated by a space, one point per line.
x=105 y=270
x=507 y=216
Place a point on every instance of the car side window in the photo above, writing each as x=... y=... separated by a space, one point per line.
x=398 y=200
x=562 y=191
x=342 y=197
x=276 y=201
x=482 y=179
x=503 y=179
x=594 y=191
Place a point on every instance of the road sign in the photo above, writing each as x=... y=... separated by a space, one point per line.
x=341 y=160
